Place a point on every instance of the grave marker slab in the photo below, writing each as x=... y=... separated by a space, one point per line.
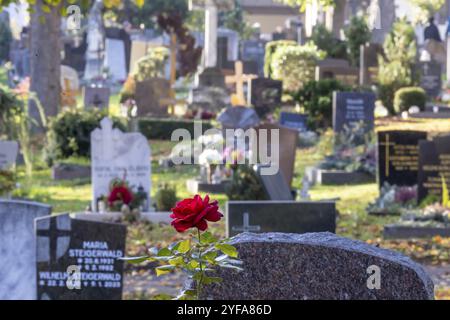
x=18 y=248
x=265 y=94
x=287 y=145
x=275 y=185
x=96 y=97
x=317 y=266
x=353 y=107
x=117 y=155
x=254 y=50
x=8 y=154
x=149 y=96
x=115 y=59
x=280 y=216
x=398 y=157
x=94 y=247
x=434 y=162
x=294 y=121
x=431 y=78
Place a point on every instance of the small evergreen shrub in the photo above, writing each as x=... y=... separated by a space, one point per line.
x=165 y=197
x=69 y=133
x=407 y=97
x=245 y=185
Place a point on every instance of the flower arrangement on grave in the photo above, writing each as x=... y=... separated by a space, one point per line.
x=354 y=151
x=432 y=211
x=123 y=198
x=394 y=200
x=201 y=253
x=7 y=182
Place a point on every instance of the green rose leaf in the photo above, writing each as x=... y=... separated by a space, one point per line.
x=227 y=249
x=183 y=246
x=135 y=260
x=162 y=270
x=207 y=237
x=164 y=252
x=178 y=261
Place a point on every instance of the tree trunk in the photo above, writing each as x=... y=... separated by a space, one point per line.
x=45 y=56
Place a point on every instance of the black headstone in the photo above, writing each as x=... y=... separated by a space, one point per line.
x=434 y=162
x=353 y=107
x=398 y=157
x=266 y=94
x=294 y=120
x=93 y=247
x=431 y=78
x=280 y=216
x=254 y=50
x=275 y=185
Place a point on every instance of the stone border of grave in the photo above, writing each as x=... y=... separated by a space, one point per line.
x=398 y=231
x=330 y=178
x=153 y=217
x=65 y=171
x=196 y=186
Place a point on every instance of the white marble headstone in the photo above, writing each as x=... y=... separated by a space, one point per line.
x=115 y=154
x=18 y=248
x=115 y=59
x=8 y=154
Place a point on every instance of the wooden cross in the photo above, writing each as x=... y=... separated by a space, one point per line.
x=246 y=227
x=387 y=144
x=68 y=96
x=239 y=78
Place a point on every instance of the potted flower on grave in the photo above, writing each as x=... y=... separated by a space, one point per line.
x=200 y=254
x=431 y=219
x=122 y=198
x=394 y=200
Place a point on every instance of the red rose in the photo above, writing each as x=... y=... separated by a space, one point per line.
x=120 y=194
x=194 y=213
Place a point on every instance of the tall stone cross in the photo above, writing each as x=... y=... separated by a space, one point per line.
x=246 y=227
x=239 y=79
x=387 y=155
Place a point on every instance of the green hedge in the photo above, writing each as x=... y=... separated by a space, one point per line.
x=407 y=97
x=271 y=47
x=70 y=133
x=161 y=129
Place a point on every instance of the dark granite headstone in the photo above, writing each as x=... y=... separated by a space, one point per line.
x=265 y=94
x=294 y=121
x=149 y=95
x=222 y=54
x=431 y=78
x=18 y=248
x=353 y=107
x=318 y=266
x=211 y=77
x=398 y=157
x=275 y=185
x=94 y=247
x=280 y=216
x=434 y=162
x=75 y=56
x=95 y=97
x=254 y=50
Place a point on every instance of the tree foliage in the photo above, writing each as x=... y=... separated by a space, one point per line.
x=303 y=3
x=425 y=9
x=357 y=33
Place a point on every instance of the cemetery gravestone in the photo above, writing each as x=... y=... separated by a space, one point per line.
x=91 y=247
x=254 y=50
x=317 y=266
x=352 y=107
x=431 y=78
x=434 y=163
x=337 y=69
x=287 y=145
x=265 y=94
x=18 y=248
x=238 y=118
x=115 y=59
x=149 y=96
x=119 y=155
x=275 y=186
x=8 y=154
x=398 y=157
x=280 y=216
x=294 y=121
x=96 y=97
